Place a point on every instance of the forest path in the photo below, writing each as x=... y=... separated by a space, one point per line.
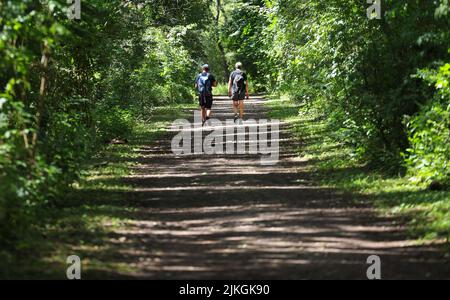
x=229 y=217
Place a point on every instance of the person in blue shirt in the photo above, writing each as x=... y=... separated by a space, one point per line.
x=204 y=83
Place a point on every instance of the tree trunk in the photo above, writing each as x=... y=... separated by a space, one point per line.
x=42 y=91
x=219 y=42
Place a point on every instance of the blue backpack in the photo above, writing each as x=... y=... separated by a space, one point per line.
x=204 y=84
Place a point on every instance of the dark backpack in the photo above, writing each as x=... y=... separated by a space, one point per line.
x=239 y=83
x=204 y=84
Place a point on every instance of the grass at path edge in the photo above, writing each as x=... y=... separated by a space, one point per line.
x=91 y=211
x=333 y=164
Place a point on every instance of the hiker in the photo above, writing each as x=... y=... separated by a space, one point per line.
x=204 y=83
x=238 y=91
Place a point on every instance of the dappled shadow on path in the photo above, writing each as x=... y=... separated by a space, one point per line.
x=228 y=217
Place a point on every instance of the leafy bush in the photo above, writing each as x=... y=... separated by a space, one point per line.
x=429 y=132
x=113 y=122
x=13 y=168
x=357 y=71
x=27 y=181
x=67 y=85
x=166 y=76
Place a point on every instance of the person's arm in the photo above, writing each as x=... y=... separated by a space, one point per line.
x=213 y=81
x=230 y=86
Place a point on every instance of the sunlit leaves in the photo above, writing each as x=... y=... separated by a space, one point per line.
x=103 y=74
x=360 y=72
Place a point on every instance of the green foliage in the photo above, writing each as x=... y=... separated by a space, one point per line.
x=167 y=72
x=68 y=87
x=359 y=72
x=113 y=122
x=429 y=132
x=333 y=165
x=247 y=41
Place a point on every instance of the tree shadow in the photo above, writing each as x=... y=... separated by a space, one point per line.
x=228 y=217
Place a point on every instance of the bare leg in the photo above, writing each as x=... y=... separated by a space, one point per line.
x=241 y=109
x=208 y=113
x=203 y=114
x=236 y=107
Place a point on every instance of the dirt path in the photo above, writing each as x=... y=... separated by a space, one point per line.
x=228 y=217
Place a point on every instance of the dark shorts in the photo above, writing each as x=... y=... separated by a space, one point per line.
x=205 y=101
x=238 y=97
